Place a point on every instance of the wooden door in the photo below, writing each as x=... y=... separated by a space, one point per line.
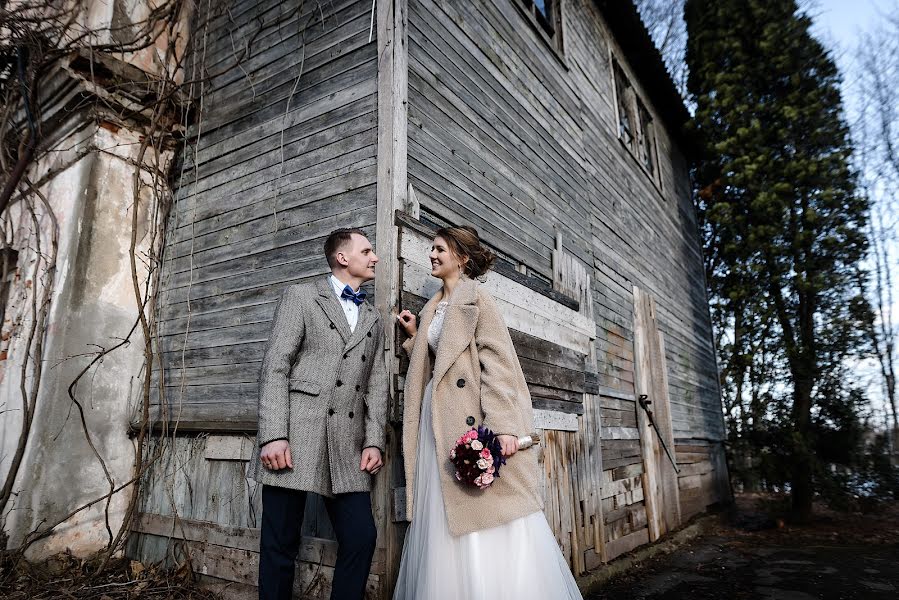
x=660 y=485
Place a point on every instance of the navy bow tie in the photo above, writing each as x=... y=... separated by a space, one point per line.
x=357 y=297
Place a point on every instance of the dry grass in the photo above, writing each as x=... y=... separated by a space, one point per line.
x=65 y=576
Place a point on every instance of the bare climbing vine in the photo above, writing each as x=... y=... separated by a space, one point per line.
x=38 y=41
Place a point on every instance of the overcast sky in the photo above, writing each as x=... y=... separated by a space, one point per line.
x=843 y=19
x=839 y=25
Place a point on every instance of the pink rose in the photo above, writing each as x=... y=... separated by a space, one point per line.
x=491 y=470
x=477 y=480
x=485 y=453
x=486 y=478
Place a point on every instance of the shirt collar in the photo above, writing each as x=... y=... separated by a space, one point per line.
x=338 y=285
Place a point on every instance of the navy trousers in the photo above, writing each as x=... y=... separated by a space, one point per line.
x=282 y=516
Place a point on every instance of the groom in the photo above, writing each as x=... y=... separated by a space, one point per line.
x=322 y=418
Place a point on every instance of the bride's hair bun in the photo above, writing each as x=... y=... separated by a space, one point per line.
x=464 y=242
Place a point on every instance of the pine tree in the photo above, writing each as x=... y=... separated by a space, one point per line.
x=783 y=222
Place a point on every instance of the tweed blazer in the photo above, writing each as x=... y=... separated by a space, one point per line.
x=323 y=388
x=477 y=379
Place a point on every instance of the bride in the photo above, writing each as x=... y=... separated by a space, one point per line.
x=465 y=543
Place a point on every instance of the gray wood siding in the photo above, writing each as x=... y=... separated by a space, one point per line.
x=503 y=136
x=270 y=166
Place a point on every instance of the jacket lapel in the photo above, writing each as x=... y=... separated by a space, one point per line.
x=327 y=299
x=367 y=316
x=458 y=327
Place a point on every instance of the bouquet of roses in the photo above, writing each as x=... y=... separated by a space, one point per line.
x=478 y=456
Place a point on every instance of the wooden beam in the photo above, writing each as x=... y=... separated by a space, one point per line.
x=411 y=222
x=393 y=187
x=312 y=550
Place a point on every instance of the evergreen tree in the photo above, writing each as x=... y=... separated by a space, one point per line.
x=783 y=223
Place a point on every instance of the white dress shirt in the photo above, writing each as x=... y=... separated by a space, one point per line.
x=350 y=310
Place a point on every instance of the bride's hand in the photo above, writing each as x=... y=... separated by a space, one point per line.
x=408 y=322
x=509 y=444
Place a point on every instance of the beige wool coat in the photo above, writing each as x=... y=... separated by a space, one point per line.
x=477 y=378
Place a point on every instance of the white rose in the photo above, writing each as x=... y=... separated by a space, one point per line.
x=482 y=464
x=476 y=445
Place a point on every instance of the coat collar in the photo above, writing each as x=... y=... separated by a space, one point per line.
x=327 y=299
x=466 y=292
x=458 y=325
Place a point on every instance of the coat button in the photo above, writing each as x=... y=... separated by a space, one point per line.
x=363 y=358
x=333 y=326
x=339 y=383
x=460 y=383
x=368 y=334
x=330 y=412
x=351 y=414
x=470 y=421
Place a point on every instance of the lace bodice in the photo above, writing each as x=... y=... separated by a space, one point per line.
x=436 y=327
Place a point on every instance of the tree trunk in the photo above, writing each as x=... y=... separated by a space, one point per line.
x=802 y=492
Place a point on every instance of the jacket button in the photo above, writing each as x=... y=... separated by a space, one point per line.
x=358 y=387
x=460 y=383
x=351 y=414
x=470 y=421
x=339 y=383
x=330 y=411
x=333 y=326
x=368 y=334
x=363 y=358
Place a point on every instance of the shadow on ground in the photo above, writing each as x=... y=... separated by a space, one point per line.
x=751 y=555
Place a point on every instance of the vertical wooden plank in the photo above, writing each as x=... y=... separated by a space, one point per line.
x=392 y=196
x=662 y=414
x=577 y=531
x=593 y=451
x=643 y=383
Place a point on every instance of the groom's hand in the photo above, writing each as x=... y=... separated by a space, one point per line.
x=371 y=460
x=276 y=455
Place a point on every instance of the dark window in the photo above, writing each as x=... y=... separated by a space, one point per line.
x=546 y=17
x=647 y=139
x=624 y=94
x=544 y=13
x=636 y=128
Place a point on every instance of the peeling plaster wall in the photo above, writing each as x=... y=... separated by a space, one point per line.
x=121 y=22
x=93 y=307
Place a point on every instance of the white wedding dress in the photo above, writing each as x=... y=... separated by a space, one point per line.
x=516 y=561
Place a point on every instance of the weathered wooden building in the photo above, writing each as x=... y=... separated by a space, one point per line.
x=554 y=129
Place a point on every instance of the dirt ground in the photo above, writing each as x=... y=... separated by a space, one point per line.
x=747 y=554
x=753 y=555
